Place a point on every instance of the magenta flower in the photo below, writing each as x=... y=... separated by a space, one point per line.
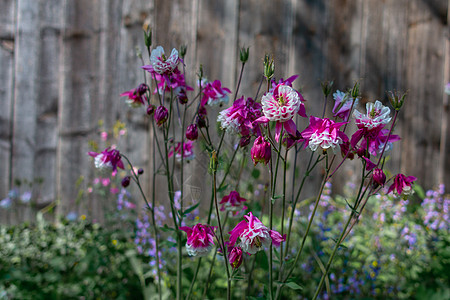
x=136 y=97
x=232 y=202
x=240 y=116
x=161 y=115
x=261 y=151
x=214 y=93
x=253 y=235
x=376 y=139
x=402 y=185
x=280 y=106
x=200 y=239
x=162 y=64
x=188 y=151
x=342 y=104
x=378 y=177
x=235 y=257
x=192 y=132
x=175 y=82
x=377 y=115
x=107 y=159
x=324 y=133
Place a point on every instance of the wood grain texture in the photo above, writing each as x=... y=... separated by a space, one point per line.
x=63 y=65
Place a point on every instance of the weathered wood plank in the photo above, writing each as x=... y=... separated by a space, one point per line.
x=7 y=45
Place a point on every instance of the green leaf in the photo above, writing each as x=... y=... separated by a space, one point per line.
x=187 y=211
x=419 y=191
x=166 y=228
x=276 y=197
x=293 y=285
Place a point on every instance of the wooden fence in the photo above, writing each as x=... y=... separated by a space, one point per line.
x=63 y=64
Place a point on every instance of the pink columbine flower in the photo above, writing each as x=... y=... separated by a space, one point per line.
x=378 y=177
x=261 y=151
x=188 y=151
x=214 y=93
x=239 y=118
x=235 y=257
x=136 y=97
x=162 y=64
x=253 y=235
x=200 y=239
x=324 y=133
x=376 y=140
x=192 y=132
x=107 y=159
x=232 y=202
x=175 y=82
x=402 y=185
x=161 y=115
x=280 y=106
x=342 y=104
x=377 y=115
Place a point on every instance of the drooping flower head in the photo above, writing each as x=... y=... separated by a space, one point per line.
x=214 y=93
x=402 y=185
x=240 y=116
x=187 y=151
x=261 y=151
x=175 y=82
x=232 y=202
x=377 y=115
x=107 y=159
x=376 y=142
x=161 y=115
x=378 y=177
x=136 y=97
x=342 y=104
x=200 y=239
x=235 y=257
x=192 y=132
x=162 y=64
x=323 y=133
x=253 y=235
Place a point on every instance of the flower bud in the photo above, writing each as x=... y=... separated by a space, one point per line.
x=396 y=98
x=182 y=97
x=261 y=151
x=141 y=89
x=126 y=181
x=148 y=37
x=192 y=132
x=245 y=140
x=378 y=177
x=355 y=91
x=150 y=109
x=183 y=49
x=140 y=171
x=201 y=117
x=243 y=54
x=235 y=257
x=269 y=67
x=161 y=115
x=326 y=87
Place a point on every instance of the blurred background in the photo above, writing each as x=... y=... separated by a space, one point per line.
x=64 y=63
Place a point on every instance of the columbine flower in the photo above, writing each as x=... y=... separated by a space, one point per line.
x=240 y=116
x=378 y=177
x=214 y=93
x=235 y=257
x=6 y=203
x=324 y=133
x=161 y=115
x=175 y=82
x=377 y=115
x=160 y=63
x=232 y=202
x=280 y=106
x=261 y=151
x=192 y=132
x=376 y=142
x=342 y=104
x=136 y=97
x=200 y=239
x=107 y=159
x=253 y=235
x=188 y=151
x=402 y=185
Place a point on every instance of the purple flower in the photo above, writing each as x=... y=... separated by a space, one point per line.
x=235 y=257
x=161 y=115
x=261 y=151
x=136 y=97
x=214 y=93
x=378 y=177
x=240 y=116
x=107 y=159
x=232 y=202
x=187 y=151
x=200 y=239
x=342 y=104
x=402 y=184
x=192 y=132
x=324 y=133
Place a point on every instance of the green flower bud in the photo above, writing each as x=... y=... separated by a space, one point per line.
x=269 y=67
x=243 y=54
x=326 y=87
x=396 y=98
